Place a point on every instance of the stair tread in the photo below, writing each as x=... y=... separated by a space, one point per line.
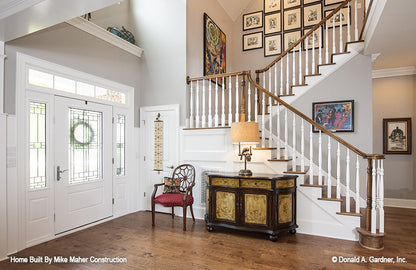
x=327 y=64
x=280 y=159
x=340 y=53
x=286 y=95
x=311 y=75
x=297 y=170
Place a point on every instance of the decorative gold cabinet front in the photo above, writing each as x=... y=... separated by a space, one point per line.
x=255 y=209
x=225 y=205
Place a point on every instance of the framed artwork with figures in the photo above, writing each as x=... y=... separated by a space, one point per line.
x=336 y=116
x=214 y=48
x=397 y=136
x=271 y=6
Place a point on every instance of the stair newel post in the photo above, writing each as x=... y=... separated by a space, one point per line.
x=230 y=101
x=381 y=197
x=357 y=185
x=294 y=142
x=302 y=146
x=300 y=63
x=287 y=74
x=191 y=103
x=307 y=56
x=348 y=23
x=223 y=103
x=249 y=101
x=237 y=100
x=278 y=130
x=355 y=21
x=369 y=194
x=209 y=103
x=294 y=66
x=197 y=119
x=281 y=77
x=326 y=43
x=243 y=117
x=216 y=103
x=311 y=156
x=204 y=117
x=320 y=45
x=313 y=52
x=329 y=182
x=347 y=185
x=320 y=158
x=341 y=47
x=373 y=198
x=338 y=172
x=333 y=34
x=286 y=135
x=270 y=110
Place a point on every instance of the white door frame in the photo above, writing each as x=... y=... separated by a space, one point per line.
x=25 y=92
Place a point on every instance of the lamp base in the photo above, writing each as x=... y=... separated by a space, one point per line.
x=245 y=173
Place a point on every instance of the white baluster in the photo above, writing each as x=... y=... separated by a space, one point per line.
x=197 y=122
x=373 y=200
x=204 y=117
x=348 y=23
x=302 y=146
x=287 y=74
x=320 y=158
x=216 y=103
x=338 y=173
x=347 y=184
x=300 y=64
x=355 y=21
x=311 y=156
x=326 y=43
x=275 y=80
x=286 y=135
x=223 y=103
x=329 y=182
x=281 y=77
x=237 y=101
x=357 y=185
x=230 y=100
x=340 y=31
x=320 y=45
x=256 y=102
x=249 y=101
x=313 y=52
x=209 y=104
x=294 y=142
x=278 y=130
x=263 y=120
x=270 y=110
x=381 y=197
x=294 y=67
x=334 y=49
x=191 y=113
x=307 y=56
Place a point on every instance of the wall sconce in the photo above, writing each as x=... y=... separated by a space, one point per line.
x=245 y=133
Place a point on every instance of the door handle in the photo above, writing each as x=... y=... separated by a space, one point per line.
x=58 y=173
x=170 y=167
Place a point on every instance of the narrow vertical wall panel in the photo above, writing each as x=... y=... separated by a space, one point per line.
x=3 y=188
x=2 y=58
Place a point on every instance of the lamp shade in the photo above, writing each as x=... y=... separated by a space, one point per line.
x=245 y=133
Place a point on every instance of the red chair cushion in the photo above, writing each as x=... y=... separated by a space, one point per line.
x=173 y=199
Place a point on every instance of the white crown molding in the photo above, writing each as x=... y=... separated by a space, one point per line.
x=393 y=72
x=103 y=34
x=10 y=7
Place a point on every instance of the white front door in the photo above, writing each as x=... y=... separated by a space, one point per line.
x=169 y=114
x=83 y=163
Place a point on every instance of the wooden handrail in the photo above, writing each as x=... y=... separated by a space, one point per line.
x=366 y=18
x=315 y=124
x=304 y=36
x=215 y=76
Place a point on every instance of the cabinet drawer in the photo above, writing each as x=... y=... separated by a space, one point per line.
x=255 y=184
x=285 y=183
x=225 y=182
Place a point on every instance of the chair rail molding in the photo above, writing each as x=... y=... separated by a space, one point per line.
x=103 y=34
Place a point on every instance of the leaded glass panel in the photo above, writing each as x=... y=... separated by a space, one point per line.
x=120 y=145
x=37 y=145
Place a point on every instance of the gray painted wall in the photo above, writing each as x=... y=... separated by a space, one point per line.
x=395 y=97
x=65 y=45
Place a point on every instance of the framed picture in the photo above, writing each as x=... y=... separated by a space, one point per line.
x=253 y=41
x=214 y=48
x=397 y=136
x=334 y=115
x=344 y=17
x=312 y=42
x=290 y=38
x=312 y=15
x=331 y=2
x=305 y=2
x=253 y=20
x=271 y=6
x=292 y=19
x=272 y=23
x=272 y=45
x=290 y=3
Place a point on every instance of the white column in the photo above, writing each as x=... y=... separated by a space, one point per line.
x=287 y=73
x=286 y=135
x=311 y=156
x=300 y=64
x=216 y=103
x=270 y=110
x=249 y=101
x=338 y=173
x=320 y=158
x=326 y=43
x=373 y=200
x=191 y=109
x=355 y=21
x=2 y=58
x=294 y=142
x=263 y=120
x=380 y=186
x=329 y=182
x=3 y=186
x=204 y=117
x=313 y=53
x=256 y=105
x=278 y=130
x=223 y=103
x=294 y=67
x=237 y=100
x=275 y=80
x=281 y=77
x=302 y=146
x=307 y=56
x=347 y=184
x=357 y=185
x=197 y=120
x=209 y=103
x=230 y=99
x=333 y=34
x=348 y=23
x=320 y=45
x=340 y=31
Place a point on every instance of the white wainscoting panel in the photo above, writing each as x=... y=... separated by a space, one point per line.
x=3 y=187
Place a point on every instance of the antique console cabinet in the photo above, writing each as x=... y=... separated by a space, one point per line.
x=263 y=203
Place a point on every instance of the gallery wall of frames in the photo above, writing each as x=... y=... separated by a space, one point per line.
x=282 y=22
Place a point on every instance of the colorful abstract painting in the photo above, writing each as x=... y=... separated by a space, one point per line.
x=214 y=48
x=335 y=116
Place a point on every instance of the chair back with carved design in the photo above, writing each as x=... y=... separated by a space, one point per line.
x=186 y=173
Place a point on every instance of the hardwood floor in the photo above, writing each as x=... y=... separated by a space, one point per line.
x=166 y=246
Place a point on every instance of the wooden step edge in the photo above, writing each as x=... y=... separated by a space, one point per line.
x=312 y=75
x=264 y=114
x=292 y=172
x=367 y=233
x=340 y=53
x=349 y=214
x=281 y=159
x=351 y=42
x=330 y=199
x=264 y=148
x=309 y=185
x=287 y=95
x=205 y=128
x=328 y=64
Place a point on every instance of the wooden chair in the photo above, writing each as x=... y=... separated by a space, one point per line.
x=186 y=174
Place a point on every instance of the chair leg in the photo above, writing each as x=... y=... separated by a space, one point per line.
x=153 y=214
x=173 y=212
x=192 y=213
x=184 y=218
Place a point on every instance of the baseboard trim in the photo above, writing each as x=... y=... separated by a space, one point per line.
x=402 y=203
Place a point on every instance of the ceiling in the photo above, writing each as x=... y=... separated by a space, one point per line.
x=395 y=36
x=234 y=8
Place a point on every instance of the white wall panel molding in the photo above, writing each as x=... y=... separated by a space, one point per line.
x=393 y=72
x=10 y=7
x=2 y=58
x=391 y=202
x=3 y=187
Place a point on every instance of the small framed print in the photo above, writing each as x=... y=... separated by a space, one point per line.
x=305 y=2
x=253 y=41
x=253 y=20
x=336 y=116
x=271 y=6
x=272 y=45
x=290 y=38
x=397 y=136
x=344 y=15
x=312 y=15
x=272 y=23
x=331 y=2
x=312 y=41
x=292 y=19
x=290 y=3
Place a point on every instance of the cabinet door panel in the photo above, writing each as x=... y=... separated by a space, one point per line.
x=255 y=209
x=225 y=205
x=285 y=208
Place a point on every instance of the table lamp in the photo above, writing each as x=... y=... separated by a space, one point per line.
x=245 y=133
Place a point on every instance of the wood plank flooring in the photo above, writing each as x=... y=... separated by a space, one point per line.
x=166 y=246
